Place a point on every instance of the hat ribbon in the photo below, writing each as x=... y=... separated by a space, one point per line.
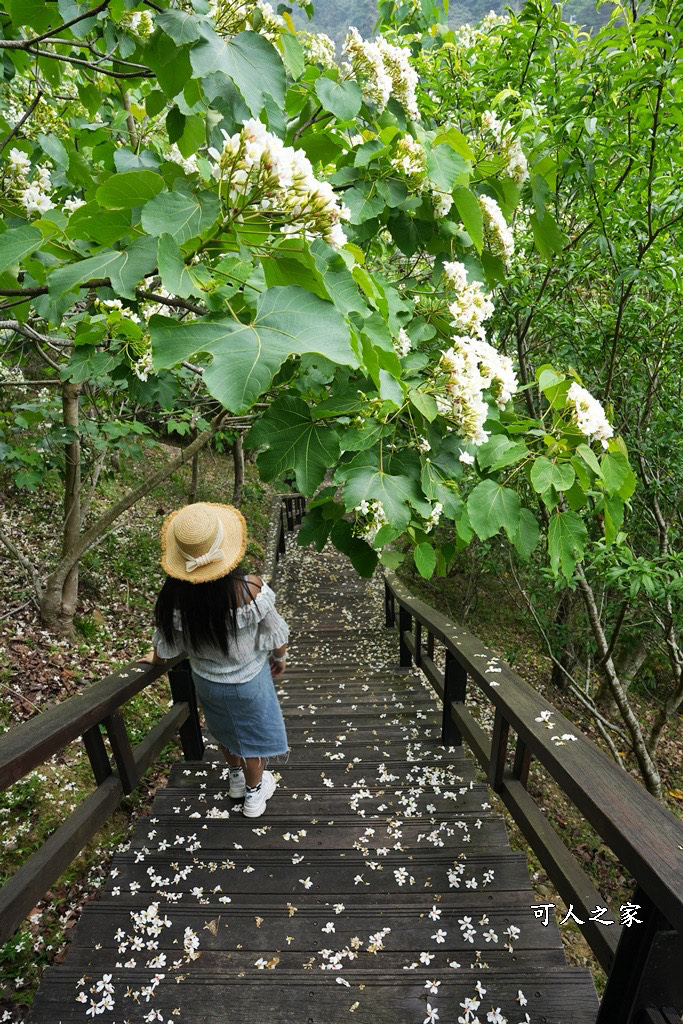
x=214 y=554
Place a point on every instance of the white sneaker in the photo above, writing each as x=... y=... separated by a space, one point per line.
x=255 y=801
x=238 y=785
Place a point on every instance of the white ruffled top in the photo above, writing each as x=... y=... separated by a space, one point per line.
x=260 y=629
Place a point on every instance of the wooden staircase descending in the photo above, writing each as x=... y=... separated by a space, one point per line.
x=378 y=888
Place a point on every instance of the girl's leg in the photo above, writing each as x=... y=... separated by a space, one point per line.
x=253 y=766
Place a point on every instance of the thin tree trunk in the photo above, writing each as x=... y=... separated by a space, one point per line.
x=72 y=498
x=646 y=763
x=566 y=659
x=52 y=599
x=238 y=462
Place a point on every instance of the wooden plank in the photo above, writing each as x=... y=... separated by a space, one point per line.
x=318 y=999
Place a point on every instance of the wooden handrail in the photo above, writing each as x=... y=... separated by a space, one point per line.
x=644 y=835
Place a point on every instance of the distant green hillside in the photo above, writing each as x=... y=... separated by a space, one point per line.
x=334 y=18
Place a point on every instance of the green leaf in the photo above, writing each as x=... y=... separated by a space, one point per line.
x=500 y=451
x=525 y=538
x=103 y=226
x=546 y=474
x=136 y=262
x=362 y=207
x=470 y=214
x=364 y=479
x=36 y=13
x=293 y=55
x=547 y=235
x=425 y=559
x=130 y=189
x=457 y=141
x=444 y=167
x=590 y=458
x=424 y=403
x=490 y=507
x=567 y=538
x=16 y=244
x=65 y=279
x=175 y=275
x=294 y=442
x=614 y=518
x=246 y=357
x=343 y=99
x=179 y=25
x=182 y=215
x=615 y=470
x=249 y=61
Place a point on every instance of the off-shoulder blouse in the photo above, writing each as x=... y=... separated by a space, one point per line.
x=260 y=629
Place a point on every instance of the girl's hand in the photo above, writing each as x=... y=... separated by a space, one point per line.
x=149 y=658
x=277 y=668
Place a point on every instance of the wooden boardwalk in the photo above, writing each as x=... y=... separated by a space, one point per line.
x=378 y=887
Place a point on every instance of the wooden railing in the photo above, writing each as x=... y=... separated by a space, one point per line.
x=644 y=961
x=84 y=716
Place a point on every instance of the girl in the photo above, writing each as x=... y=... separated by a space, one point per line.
x=235 y=640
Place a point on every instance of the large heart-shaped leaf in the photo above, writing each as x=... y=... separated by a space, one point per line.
x=295 y=442
x=182 y=215
x=246 y=357
x=248 y=60
x=491 y=507
x=343 y=99
x=364 y=478
x=129 y=189
x=16 y=244
x=567 y=538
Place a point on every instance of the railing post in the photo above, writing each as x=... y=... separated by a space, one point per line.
x=522 y=763
x=454 y=691
x=418 y=643
x=122 y=751
x=290 y=516
x=281 y=536
x=405 y=621
x=93 y=741
x=182 y=691
x=299 y=510
x=499 y=749
x=646 y=973
x=389 y=613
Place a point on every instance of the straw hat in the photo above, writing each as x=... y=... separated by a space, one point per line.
x=203 y=542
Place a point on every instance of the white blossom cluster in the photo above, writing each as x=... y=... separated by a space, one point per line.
x=469 y=36
x=497 y=234
x=471 y=306
x=318 y=49
x=382 y=70
x=375 y=517
x=34 y=195
x=141 y=23
x=188 y=164
x=434 y=517
x=402 y=344
x=473 y=367
x=366 y=64
x=508 y=146
x=257 y=170
x=442 y=201
x=11 y=374
x=72 y=203
x=410 y=159
x=259 y=16
x=404 y=77
x=589 y=415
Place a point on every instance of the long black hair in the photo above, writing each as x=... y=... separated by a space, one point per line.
x=208 y=611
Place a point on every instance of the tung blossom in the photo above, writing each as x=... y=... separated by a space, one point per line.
x=589 y=415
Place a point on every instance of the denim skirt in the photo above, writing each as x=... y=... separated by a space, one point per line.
x=245 y=717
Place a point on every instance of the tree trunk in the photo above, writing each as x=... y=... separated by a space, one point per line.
x=238 y=461
x=646 y=762
x=58 y=604
x=51 y=605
